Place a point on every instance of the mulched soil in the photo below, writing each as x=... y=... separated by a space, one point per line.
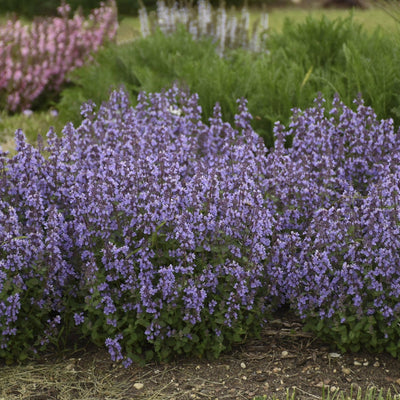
x=284 y=359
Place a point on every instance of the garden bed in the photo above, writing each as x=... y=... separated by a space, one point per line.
x=283 y=358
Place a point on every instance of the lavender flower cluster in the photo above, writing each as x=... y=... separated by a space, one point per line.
x=35 y=273
x=37 y=57
x=335 y=256
x=156 y=234
x=158 y=219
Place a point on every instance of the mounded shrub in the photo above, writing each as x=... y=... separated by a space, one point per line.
x=336 y=253
x=154 y=234
x=162 y=217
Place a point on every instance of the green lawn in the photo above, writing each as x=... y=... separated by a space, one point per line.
x=371 y=18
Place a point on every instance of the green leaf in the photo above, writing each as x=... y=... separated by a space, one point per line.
x=392 y=349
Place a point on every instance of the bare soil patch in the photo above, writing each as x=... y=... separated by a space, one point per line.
x=284 y=358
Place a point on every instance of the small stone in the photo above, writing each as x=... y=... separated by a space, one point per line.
x=346 y=371
x=357 y=363
x=376 y=364
x=334 y=355
x=365 y=363
x=285 y=353
x=138 y=386
x=259 y=371
x=242 y=365
x=334 y=371
x=277 y=369
x=244 y=378
x=197 y=367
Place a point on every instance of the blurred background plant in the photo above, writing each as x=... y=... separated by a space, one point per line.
x=35 y=58
x=31 y=8
x=226 y=29
x=391 y=7
x=346 y=59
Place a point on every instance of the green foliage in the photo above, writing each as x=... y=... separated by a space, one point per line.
x=354 y=332
x=340 y=57
x=316 y=43
x=156 y=62
x=199 y=340
x=31 y=124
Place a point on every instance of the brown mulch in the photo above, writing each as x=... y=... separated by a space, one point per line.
x=284 y=359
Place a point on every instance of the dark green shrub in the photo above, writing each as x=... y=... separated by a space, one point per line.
x=156 y=62
x=340 y=57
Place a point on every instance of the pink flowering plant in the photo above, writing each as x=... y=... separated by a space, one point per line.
x=36 y=58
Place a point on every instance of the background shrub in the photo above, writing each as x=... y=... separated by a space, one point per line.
x=35 y=58
x=291 y=74
x=31 y=8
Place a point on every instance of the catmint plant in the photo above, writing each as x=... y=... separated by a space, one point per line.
x=171 y=225
x=35 y=252
x=144 y=226
x=155 y=234
x=335 y=255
